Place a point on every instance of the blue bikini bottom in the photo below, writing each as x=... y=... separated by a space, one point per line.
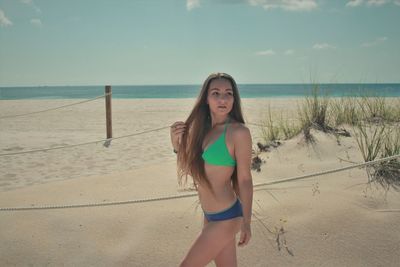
x=232 y=212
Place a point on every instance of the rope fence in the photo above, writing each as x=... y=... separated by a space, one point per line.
x=331 y=171
x=161 y=198
x=178 y=196
x=106 y=143
x=50 y=109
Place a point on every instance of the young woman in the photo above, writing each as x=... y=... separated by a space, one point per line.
x=214 y=148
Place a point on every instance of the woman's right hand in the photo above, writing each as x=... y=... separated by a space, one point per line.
x=177 y=130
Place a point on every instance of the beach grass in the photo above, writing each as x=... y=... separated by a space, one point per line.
x=269 y=130
x=387 y=173
x=288 y=128
x=375 y=122
x=370 y=142
x=283 y=128
x=396 y=109
x=313 y=111
x=344 y=110
x=373 y=109
x=376 y=109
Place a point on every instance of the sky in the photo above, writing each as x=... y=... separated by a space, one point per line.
x=141 y=42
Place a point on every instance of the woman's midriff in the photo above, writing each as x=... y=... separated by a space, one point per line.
x=224 y=195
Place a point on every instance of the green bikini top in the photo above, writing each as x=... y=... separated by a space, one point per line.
x=217 y=153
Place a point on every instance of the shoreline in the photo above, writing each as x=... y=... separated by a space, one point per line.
x=193 y=98
x=251 y=91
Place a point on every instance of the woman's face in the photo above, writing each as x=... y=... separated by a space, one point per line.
x=220 y=96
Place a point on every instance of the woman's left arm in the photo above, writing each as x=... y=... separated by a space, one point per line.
x=243 y=148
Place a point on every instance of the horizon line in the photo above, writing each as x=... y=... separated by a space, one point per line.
x=192 y=84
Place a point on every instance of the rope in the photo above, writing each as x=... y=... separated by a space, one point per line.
x=40 y=111
x=265 y=125
x=257 y=124
x=329 y=171
x=176 y=196
x=107 y=141
x=389 y=210
x=99 y=204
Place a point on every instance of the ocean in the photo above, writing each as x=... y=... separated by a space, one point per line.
x=191 y=91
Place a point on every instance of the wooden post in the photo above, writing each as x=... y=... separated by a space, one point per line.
x=108 y=111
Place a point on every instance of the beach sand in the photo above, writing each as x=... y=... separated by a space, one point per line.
x=330 y=220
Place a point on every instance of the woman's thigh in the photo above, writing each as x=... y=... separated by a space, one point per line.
x=214 y=237
x=227 y=256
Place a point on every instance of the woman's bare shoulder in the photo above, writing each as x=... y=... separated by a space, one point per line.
x=238 y=125
x=240 y=129
x=242 y=140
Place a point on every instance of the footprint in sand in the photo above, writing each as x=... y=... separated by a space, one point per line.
x=325 y=235
x=14 y=148
x=300 y=167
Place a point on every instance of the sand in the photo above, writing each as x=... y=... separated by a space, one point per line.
x=331 y=220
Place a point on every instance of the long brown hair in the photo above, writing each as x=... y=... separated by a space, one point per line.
x=198 y=124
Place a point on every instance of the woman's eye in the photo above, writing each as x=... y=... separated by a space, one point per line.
x=217 y=94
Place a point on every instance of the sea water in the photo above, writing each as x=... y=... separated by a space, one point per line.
x=192 y=91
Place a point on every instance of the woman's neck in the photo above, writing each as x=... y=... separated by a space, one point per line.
x=219 y=121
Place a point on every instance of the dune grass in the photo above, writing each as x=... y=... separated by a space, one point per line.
x=270 y=130
x=344 y=110
x=396 y=110
x=373 y=109
x=288 y=128
x=282 y=129
x=313 y=111
x=376 y=109
x=381 y=141
x=370 y=143
x=387 y=173
x=375 y=121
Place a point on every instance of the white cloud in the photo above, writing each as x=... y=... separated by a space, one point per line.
x=289 y=52
x=376 y=2
x=371 y=3
x=31 y=3
x=191 y=4
x=291 y=5
x=266 y=53
x=4 y=21
x=376 y=42
x=354 y=3
x=36 y=22
x=321 y=46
